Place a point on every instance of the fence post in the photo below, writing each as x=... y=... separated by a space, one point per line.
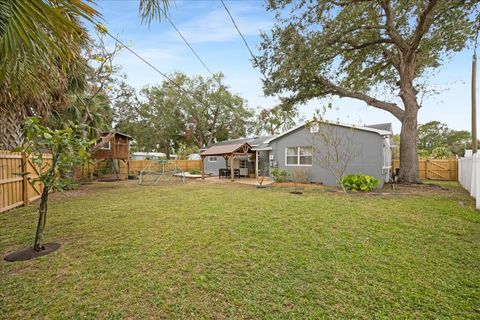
x=426 y=169
x=25 y=179
x=453 y=167
x=476 y=179
x=473 y=181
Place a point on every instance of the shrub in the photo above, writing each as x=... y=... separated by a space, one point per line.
x=359 y=182
x=300 y=175
x=441 y=153
x=194 y=171
x=279 y=175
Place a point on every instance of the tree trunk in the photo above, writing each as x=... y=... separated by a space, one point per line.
x=42 y=219
x=408 y=147
x=11 y=135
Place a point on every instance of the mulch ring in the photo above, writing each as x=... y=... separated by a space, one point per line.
x=388 y=189
x=29 y=253
x=396 y=188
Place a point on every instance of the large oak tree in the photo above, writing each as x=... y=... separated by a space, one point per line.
x=359 y=49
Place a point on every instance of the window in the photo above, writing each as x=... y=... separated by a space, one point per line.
x=244 y=164
x=387 y=154
x=292 y=156
x=314 y=127
x=298 y=156
x=212 y=159
x=107 y=146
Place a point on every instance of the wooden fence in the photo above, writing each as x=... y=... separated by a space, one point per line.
x=17 y=189
x=138 y=165
x=434 y=169
x=18 y=185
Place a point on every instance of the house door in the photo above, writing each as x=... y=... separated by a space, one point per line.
x=263 y=163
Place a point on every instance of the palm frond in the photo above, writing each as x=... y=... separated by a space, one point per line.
x=40 y=40
x=153 y=10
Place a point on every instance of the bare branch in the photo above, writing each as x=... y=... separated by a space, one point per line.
x=333 y=148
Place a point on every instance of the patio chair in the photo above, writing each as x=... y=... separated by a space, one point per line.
x=223 y=172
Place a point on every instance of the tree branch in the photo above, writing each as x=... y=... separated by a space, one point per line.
x=391 y=28
x=393 y=108
x=355 y=46
x=424 y=23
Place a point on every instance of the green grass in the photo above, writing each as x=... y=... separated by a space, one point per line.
x=223 y=251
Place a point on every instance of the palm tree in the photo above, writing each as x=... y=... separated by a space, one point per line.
x=40 y=53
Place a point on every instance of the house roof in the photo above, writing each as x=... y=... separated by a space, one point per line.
x=222 y=149
x=381 y=126
x=252 y=141
x=369 y=129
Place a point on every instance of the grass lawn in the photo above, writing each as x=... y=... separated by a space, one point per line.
x=230 y=251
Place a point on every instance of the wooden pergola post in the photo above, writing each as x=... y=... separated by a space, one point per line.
x=232 y=177
x=256 y=164
x=203 y=166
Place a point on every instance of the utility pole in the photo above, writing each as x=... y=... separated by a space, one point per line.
x=474 y=92
x=474 y=103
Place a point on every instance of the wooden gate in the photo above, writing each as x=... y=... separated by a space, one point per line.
x=434 y=169
x=18 y=184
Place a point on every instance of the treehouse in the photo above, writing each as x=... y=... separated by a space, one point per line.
x=112 y=147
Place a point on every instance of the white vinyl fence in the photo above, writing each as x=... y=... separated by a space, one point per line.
x=469 y=176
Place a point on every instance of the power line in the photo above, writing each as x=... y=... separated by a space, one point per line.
x=239 y=32
x=187 y=43
x=154 y=68
x=245 y=42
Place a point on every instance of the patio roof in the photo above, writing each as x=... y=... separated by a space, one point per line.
x=218 y=150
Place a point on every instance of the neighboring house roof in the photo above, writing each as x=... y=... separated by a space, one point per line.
x=380 y=132
x=223 y=149
x=194 y=156
x=154 y=154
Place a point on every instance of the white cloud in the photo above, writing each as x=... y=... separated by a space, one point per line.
x=216 y=26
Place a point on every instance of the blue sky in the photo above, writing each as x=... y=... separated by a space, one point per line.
x=207 y=27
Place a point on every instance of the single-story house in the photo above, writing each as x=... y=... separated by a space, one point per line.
x=305 y=146
x=152 y=156
x=148 y=155
x=194 y=156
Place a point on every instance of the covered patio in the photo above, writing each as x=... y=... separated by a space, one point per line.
x=237 y=158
